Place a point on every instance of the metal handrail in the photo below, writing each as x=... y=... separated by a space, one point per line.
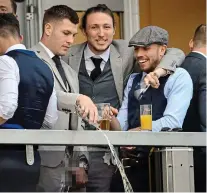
x=92 y=138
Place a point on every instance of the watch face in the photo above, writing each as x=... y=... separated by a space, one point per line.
x=83 y=165
x=169 y=72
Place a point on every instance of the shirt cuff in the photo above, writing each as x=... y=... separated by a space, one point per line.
x=77 y=99
x=156 y=127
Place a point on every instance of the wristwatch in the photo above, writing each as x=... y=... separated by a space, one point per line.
x=83 y=164
x=168 y=72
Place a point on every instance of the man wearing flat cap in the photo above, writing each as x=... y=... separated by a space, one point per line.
x=168 y=108
x=149 y=35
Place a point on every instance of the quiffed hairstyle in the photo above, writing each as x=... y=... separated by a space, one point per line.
x=58 y=13
x=14 y=6
x=99 y=8
x=9 y=25
x=199 y=39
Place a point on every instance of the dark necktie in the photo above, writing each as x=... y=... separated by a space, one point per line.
x=56 y=59
x=97 y=70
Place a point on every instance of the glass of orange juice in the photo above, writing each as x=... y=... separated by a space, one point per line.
x=146 y=117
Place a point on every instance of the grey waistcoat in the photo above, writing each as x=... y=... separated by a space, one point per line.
x=103 y=89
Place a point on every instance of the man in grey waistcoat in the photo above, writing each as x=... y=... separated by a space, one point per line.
x=104 y=66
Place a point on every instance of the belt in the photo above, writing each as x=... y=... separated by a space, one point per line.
x=135 y=158
x=134 y=162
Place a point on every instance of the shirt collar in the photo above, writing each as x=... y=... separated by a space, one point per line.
x=49 y=52
x=143 y=75
x=88 y=54
x=200 y=53
x=16 y=47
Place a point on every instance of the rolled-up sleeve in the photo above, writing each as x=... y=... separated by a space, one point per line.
x=51 y=115
x=9 y=81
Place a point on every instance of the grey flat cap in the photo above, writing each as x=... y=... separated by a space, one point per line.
x=149 y=35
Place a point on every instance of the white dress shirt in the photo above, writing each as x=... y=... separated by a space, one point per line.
x=49 y=52
x=89 y=63
x=9 y=81
x=51 y=55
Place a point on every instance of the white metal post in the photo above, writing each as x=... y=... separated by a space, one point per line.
x=131 y=18
x=177 y=169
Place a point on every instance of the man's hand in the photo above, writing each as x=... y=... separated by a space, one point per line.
x=109 y=112
x=152 y=78
x=2 y=121
x=81 y=177
x=115 y=125
x=135 y=129
x=113 y=111
x=127 y=148
x=87 y=108
x=126 y=151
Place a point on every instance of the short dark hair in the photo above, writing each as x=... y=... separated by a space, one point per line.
x=199 y=39
x=99 y=8
x=14 y=6
x=9 y=25
x=60 y=12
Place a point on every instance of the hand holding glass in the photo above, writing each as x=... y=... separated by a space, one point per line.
x=104 y=115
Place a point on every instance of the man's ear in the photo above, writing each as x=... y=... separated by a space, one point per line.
x=21 y=38
x=163 y=49
x=84 y=32
x=48 y=29
x=114 y=30
x=191 y=44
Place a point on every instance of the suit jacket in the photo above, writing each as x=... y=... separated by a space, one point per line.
x=195 y=120
x=66 y=102
x=123 y=62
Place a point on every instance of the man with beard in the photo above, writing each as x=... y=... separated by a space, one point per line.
x=169 y=110
x=104 y=66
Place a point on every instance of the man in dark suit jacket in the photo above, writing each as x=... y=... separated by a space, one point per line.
x=195 y=121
